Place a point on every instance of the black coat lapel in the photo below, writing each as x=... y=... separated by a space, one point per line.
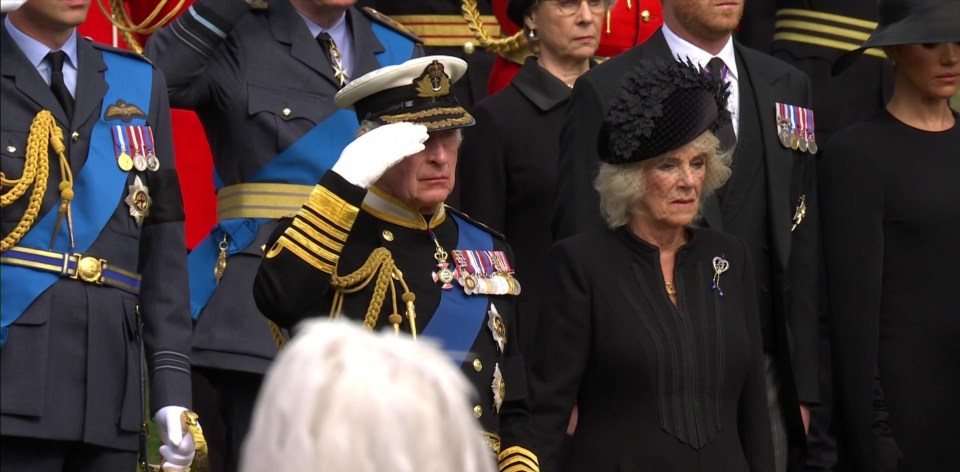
x=28 y=80
x=365 y=44
x=289 y=28
x=90 y=84
x=778 y=159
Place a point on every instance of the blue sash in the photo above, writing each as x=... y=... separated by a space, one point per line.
x=98 y=189
x=459 y=317
x=304 y=162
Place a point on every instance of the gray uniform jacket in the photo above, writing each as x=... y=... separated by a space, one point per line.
x=258 y=81
x=71 y=362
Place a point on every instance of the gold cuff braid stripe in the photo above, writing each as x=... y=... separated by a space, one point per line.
x=314 y=247
x=309 y=231
x=332 y=207
x=517 y=459
x=306 y=256
x=316 y=220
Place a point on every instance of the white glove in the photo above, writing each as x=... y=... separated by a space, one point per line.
x=10 y=5
x=178 y=448
x=369 y=156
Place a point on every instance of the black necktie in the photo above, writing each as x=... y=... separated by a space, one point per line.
x=332 y=54
x=726 y=135
x=57 y=85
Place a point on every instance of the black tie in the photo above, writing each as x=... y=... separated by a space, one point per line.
x=727 y=137
x=333 y=56
x=57 y=85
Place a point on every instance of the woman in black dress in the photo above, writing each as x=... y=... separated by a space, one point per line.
x=891 y=222
x=653 y=326
x=508 y=161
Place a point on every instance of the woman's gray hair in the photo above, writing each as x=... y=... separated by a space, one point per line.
x=621 y=186
x=339 y=398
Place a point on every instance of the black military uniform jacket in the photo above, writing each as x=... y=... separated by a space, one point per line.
x=71 y=362
x=331 y=233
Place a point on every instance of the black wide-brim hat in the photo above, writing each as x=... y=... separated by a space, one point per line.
x=909 y=22
x=417 y=91
x=661 y=106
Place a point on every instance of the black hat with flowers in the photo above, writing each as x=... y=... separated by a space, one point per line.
x=661 y=106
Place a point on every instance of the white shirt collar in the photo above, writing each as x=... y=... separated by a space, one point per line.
x=684 y=49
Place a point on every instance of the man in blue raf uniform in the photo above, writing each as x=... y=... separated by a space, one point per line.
x=261 y=76
x=375 y=243
x=93 y=261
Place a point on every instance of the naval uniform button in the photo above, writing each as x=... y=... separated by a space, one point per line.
x=468 y=47
x=477 y=365
x=477 y=411
x=387 y=235
x=645 y=15
x=75 y=136
x=11 y=149
x=286 y=112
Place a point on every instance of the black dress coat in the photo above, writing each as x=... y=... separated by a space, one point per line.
x=508 y=172
x=658 y=387
x=891 y=258
x=71 y=361
x=791 y=253
x=294 y=283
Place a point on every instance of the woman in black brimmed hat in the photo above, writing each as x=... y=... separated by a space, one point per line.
x=652 y=327
x=891 y=221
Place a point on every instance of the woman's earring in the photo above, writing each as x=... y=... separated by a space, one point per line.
x=531 y=34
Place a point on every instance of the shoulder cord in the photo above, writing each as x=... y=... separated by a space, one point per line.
x=379 y=265
x=44 y=133
x=506 y=47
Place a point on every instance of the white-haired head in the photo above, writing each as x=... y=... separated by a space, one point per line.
x=339 y=398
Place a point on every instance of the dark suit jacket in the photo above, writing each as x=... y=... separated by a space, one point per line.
x=240 y=85
x=658 y=387
x=794 y=255
x=71 y=362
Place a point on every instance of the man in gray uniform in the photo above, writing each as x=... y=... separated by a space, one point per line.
x=93 y=261
x=261 y=76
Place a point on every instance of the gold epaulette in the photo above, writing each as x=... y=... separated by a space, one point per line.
x=518 y=459
x=446 y=30
x=385 y=20
x=319 y=230
x=474 y=222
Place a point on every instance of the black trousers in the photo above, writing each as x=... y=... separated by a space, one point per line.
x=43 y=455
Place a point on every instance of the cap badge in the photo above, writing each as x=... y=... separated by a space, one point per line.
x=434 y=82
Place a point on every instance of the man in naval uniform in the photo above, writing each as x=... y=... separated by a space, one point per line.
x=376 y=243
x=94 y=298
x=261 y=76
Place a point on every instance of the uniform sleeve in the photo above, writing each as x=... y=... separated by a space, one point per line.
x=164 y=302
x=561 y=354
x=482 y=169
x=295 y=272
x=806 y=275
x=753 y=415
x=576 y=204
x=188 y=52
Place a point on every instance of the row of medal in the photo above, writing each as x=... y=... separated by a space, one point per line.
x=139 y=140
x=795 y=128
x=485 y=272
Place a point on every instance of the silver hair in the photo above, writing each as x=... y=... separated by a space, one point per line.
x=339 y=398
x=621 y=186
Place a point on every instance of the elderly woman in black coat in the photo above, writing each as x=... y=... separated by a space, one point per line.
x=508 y=161
x=653 y=325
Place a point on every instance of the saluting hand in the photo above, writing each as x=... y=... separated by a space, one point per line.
x=370 y=155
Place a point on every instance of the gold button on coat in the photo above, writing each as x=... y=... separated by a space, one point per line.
x=11 y=149
x=645 y=15
x=387 y=235
x=477 y=411
x=286 y=112
x=477 y=365
x=75 y=136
